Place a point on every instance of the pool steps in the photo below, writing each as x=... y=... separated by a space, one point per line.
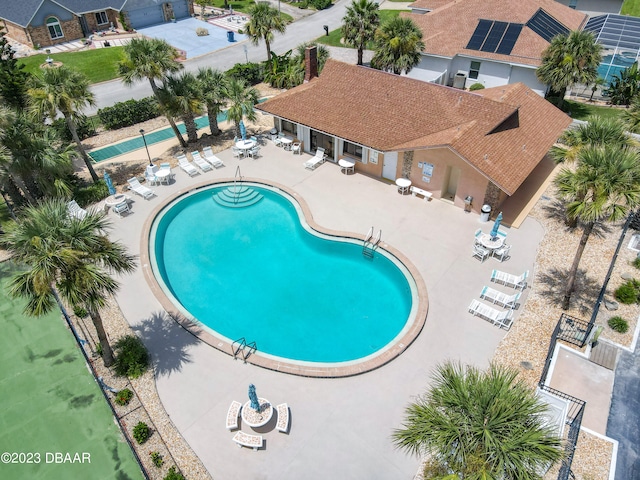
x=237 y=197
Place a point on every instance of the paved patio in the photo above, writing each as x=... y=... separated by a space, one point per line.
x=340 y=428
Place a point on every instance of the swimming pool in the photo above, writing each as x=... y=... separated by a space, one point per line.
x=262 y=273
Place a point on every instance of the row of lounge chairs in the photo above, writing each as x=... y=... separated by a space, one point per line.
x=501 y=318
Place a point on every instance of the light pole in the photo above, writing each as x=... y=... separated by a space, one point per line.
x=145 y=146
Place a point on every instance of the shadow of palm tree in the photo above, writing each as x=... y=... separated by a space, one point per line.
x=584 y=296
x=167 y=341
x=556 y=210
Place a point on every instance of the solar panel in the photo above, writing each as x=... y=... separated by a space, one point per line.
x=546 y=26
x=494 y=37
x=510 y=38
x=477 y=39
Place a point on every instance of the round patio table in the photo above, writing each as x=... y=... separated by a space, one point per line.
x=257 y=419
x=347 y=166
x=113 y=200
x=403 y=185
x=245 y=145
x=487 y=241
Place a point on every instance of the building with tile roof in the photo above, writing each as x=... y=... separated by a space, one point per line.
x=492 y=42
x=449 y=142
x=49 y=22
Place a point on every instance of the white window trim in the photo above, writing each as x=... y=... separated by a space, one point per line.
x=471 y=69
x=53 y=25
x=106 y=17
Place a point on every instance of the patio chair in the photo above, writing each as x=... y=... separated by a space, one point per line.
x=254 y=152
x=510 y=280
x=296 y=148
x=139 y=189
x=211 y=158
x=166 y=167
x=151 y=179
x=236 y=152
x=201 y=162
x=75 y=210
x=502 y=253
x=187 y=166
x=121 y=208
x=477 y=235
x=277 y=141
x=499 y=298
x=313 y=162
x=497 y=317
x=480 y=252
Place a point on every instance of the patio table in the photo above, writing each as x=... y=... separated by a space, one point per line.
x=346 y=165
x=403 y=185
x=489 y=242
x=257 y=419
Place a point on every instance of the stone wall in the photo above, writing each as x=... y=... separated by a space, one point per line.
x=493 y=196
x=407 y=163
x=71 y=30
x=16 y=32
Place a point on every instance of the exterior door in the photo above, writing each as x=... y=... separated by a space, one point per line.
x=390 y=165
x=451 y=183
x=323 y=141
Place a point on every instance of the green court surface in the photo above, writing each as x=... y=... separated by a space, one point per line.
x=54 y=421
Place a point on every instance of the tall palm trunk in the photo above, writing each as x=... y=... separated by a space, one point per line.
x=74 y=134
x=266 y=42
x=174 y=127
x=212 y=114
x=22 y=187
x=107 y=352
x=360 y=52
x=192 y=129
x=574 y=267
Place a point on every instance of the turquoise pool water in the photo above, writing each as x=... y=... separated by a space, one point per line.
x=256 y=272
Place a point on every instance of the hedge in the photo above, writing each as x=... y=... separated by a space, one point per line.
x=125 y=114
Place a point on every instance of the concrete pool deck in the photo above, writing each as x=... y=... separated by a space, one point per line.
x=340 y=428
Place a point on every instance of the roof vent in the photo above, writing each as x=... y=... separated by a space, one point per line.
x=524 y=147
x=486 y=157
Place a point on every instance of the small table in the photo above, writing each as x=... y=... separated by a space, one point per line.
x=257 y=419
x=347 y=166
x=489 y=242
x=245 y=145
x=286 y=142
x=113 y=200
x=403 y=185
x=163 y=175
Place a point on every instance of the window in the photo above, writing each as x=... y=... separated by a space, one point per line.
x=289 y=127
x=474 y=70
x=101 y=18
x=352 y=149
x=55 y=30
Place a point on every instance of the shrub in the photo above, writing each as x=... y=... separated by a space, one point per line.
x=252 y=73
x=141 y=432
x=125 y=114
x=202 y=32
x=636 y=262
x=84 y=127
x=132 y=358
x=320 y=4
x=173 y=475
x=618 y=324
x=79 y=312
x=124 y=396
x=92 y=193
x=627 y=293
x=156 y=458
x=476 y=86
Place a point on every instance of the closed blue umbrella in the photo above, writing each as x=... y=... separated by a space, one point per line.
x=253 y=396
x=496 y=226
x=243 y=130
x=107 y=179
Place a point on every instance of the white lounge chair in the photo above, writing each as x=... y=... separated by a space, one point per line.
x=211 y=158
x=510 y=280
x=480 y=252
x=121 y=208
x=139 y=189
x=496 y=297
x=247 y=440
x=283 y=418
x=232 y=415
x=187 y=166
x=254 y=152
x=497 y=317
x=200 y=162
x=75 y=210
x=313 y=162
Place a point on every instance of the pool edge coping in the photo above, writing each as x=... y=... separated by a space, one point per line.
x=391 y=352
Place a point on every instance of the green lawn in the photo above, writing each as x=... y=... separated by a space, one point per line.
x=333 y=39
x=51 y=405
x=580 y=111
x=244 y=6
x=98 y=65
x=631 y=7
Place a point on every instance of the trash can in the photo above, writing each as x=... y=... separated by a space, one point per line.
x=467 y=203
x=230 y=36
x=274 y=134
x=486 y=212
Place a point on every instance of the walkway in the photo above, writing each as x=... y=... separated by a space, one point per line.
x=340 y=428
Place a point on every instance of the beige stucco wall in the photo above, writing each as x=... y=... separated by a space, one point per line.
x=16 y=32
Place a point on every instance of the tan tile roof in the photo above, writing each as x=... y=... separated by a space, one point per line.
x=388 y=113
x=448 y=28
x=429 y=4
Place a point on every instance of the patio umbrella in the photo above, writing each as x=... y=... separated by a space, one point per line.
x=496 y=225
x=255 y=404
x=243 y=130
x=107 y=179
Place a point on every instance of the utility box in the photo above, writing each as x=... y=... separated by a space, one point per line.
x=468 y=200
x=486 y=212
x=459 y=80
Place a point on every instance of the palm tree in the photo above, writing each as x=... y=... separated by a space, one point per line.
x=264 y=21
x=242 y=98
x=212 y=84
x=62 y=90
x=569 y=59
x=153 y=59
x=631 y=116
x=624 y=86
x=69 y=257
x=360 y=24
x=603 y=187
x=480 y=425
x=398 y=44
x=182 y=97
x=597 y=131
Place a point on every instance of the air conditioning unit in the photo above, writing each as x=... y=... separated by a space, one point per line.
x=460 y=79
